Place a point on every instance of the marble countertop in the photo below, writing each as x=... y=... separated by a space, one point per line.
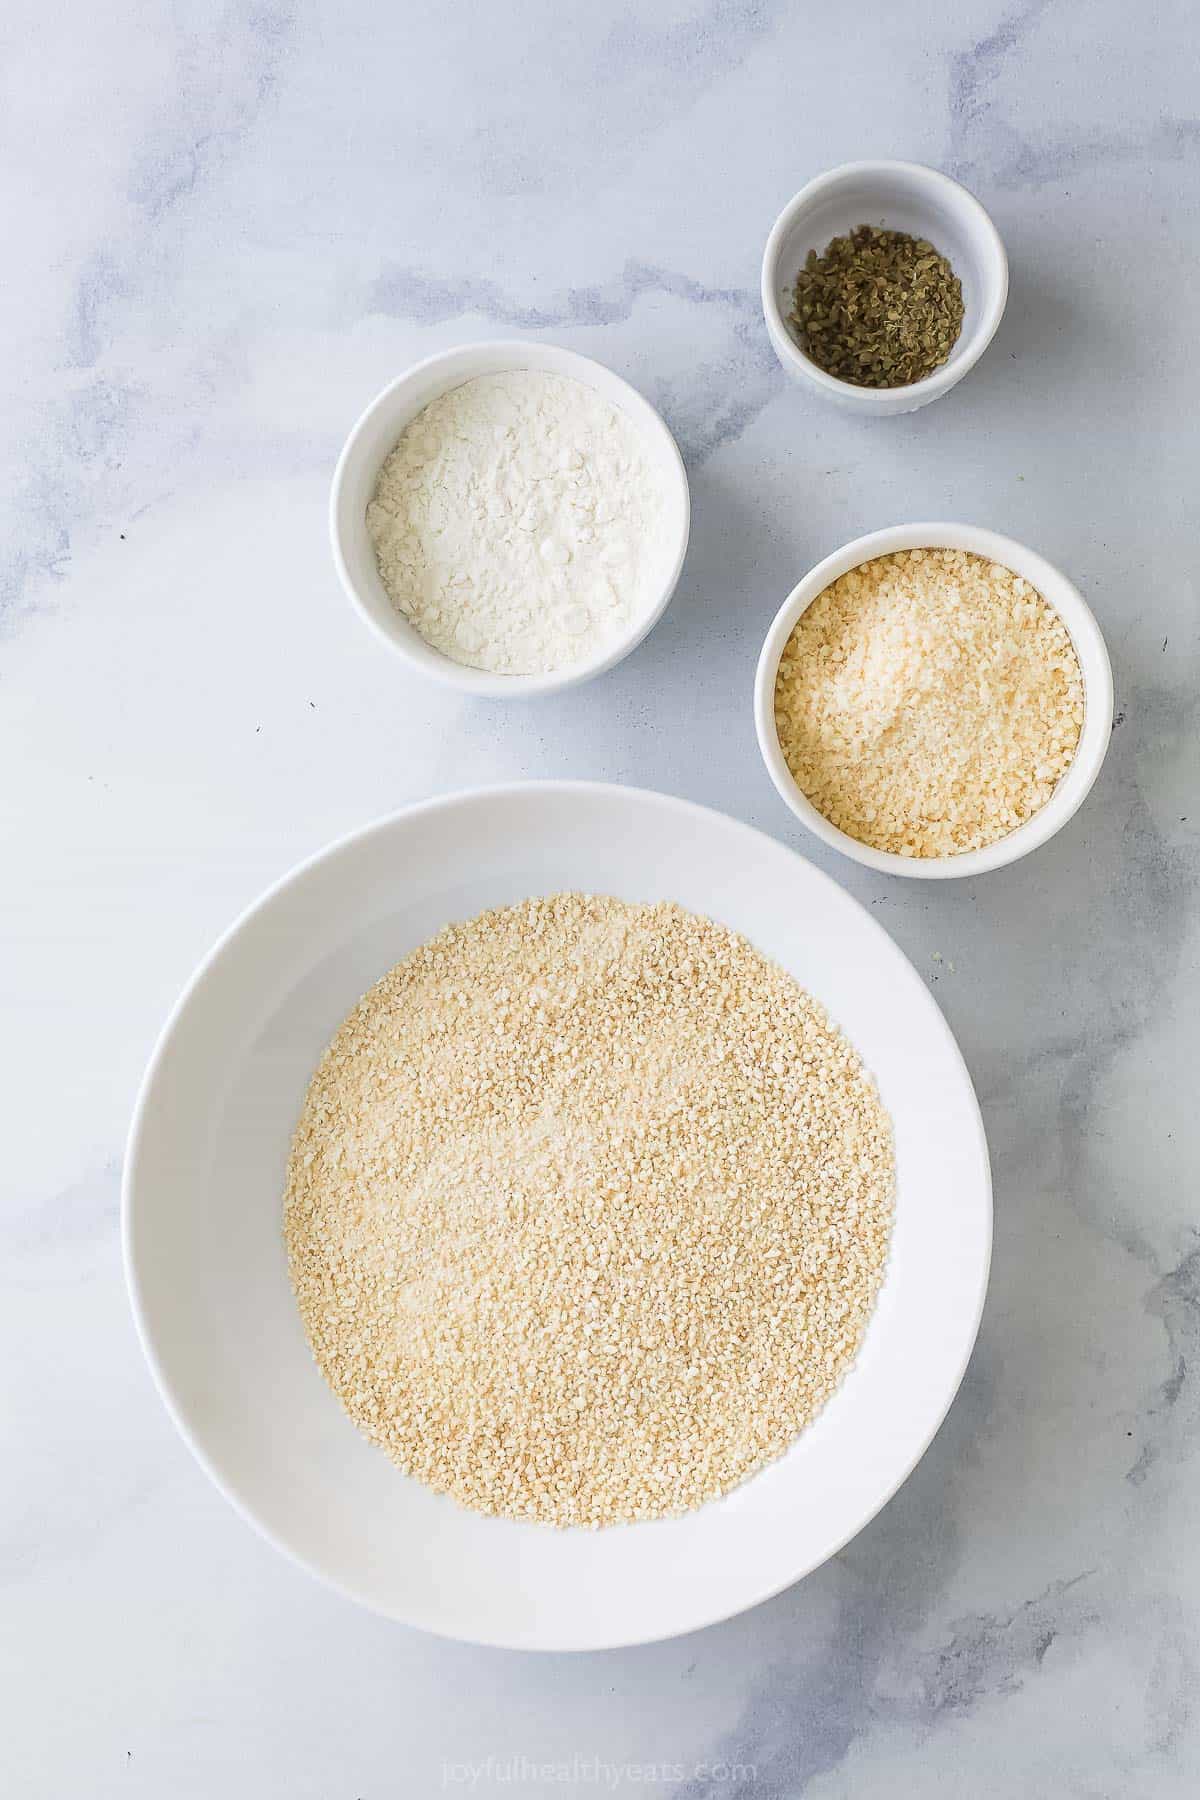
x=226 y=228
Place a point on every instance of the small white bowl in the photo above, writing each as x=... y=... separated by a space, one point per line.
x=1075 y=614
x=902 y=196
x=375 y=435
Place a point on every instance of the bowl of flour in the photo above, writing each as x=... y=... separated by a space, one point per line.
x=510 y=518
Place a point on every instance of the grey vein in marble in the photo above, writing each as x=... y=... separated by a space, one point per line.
x=983 y=141
x=736 y=388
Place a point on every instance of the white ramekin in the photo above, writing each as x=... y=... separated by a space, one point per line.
x=1076 y=615
x=904 y=197
x=375 y=435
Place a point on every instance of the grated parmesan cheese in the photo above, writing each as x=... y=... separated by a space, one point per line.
x=929 y=702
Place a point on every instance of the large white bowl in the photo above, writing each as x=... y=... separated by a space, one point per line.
x=903 y=196
x=1074 y=787
x=375 y=435
x=208 y=1274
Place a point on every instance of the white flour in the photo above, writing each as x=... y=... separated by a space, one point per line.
x=517 y=523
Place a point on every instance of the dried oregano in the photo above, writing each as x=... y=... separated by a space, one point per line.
x=878 y=308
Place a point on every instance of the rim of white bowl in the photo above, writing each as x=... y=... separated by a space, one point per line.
x=181 y=1419
x=423 y=657
x=992 y=311
x=1086 y=636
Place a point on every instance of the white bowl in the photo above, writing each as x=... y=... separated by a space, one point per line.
x=1076 y=615
x=904 y=197
x=208 y=1274
x=375 y=436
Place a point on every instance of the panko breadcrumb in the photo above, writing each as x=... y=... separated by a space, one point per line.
x=587 y=1209
x=929 y=702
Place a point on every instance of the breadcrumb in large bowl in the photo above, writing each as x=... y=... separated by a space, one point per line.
x=587 y=1210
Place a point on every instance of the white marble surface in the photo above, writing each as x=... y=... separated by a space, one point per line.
x=224 y=229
